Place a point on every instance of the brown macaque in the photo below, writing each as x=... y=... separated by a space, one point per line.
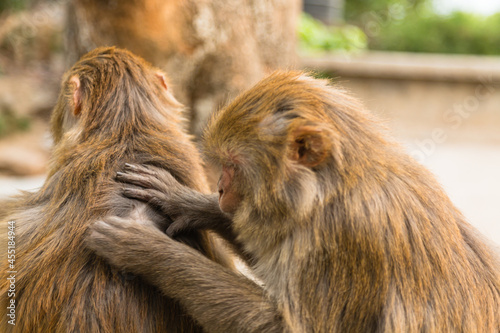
x=346 y=232
x=114 y=107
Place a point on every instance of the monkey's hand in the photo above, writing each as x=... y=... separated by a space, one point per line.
x=154 y=186
x=188 y=209
x=124 y=242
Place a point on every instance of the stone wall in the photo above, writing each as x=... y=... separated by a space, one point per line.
x=423 y=95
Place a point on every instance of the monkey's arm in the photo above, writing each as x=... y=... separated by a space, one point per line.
x=188 y=209
x=218 y=299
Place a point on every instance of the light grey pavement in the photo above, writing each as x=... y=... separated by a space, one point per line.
x=470 y=173
x=12 y=185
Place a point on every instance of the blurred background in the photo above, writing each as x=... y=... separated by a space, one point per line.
x=429 y=68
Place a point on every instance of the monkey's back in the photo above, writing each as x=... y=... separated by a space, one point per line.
x=60 y=285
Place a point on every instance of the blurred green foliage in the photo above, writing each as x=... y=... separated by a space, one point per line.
x=315 y=36
x=14 y=4
x=456 y=33
x=413 y=26
x=356 y=9
x=10 y=122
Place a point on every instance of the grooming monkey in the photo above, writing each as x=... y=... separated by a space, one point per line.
x=113 y=107
x=346 y=232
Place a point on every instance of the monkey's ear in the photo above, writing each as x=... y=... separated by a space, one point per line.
x=309 y=146
x=163 y=80
x=77 y=95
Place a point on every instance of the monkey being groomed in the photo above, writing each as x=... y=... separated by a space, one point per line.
x=114 y=107
x=346 y=232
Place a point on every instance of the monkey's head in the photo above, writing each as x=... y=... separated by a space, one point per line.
x=286 y=144
x=111 y=92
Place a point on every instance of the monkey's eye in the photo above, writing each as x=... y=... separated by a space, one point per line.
x=229 y=165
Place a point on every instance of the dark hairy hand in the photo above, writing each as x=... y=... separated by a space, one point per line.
x=124 y=242
x=152 y=185
x=188 y=209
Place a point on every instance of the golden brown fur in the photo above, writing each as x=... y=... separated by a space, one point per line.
x=346 y=232
x=124 y=114
x=370 y=230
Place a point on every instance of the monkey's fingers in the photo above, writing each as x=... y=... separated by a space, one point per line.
x=152 y=173
x=99 y=236
x=180 y=225
x=106 y=226
x=104 y=246
x=160 y=179
x=140 y=194
x=154 y=198
x=136 y=168
x=134 y=179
